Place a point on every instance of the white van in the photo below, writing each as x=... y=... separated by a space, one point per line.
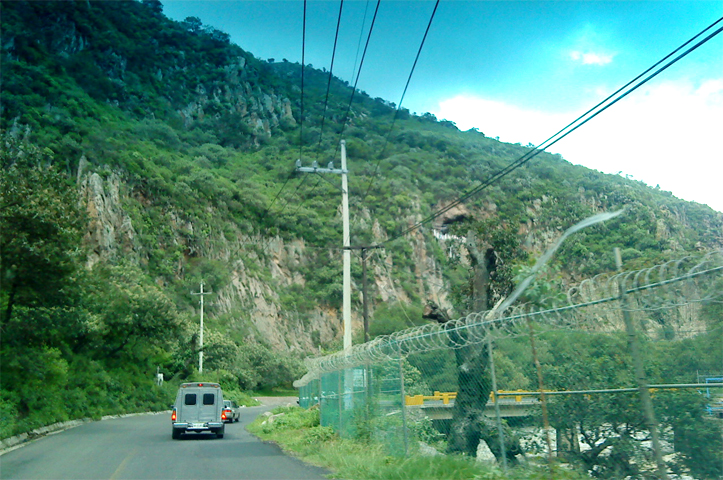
x=198 y=408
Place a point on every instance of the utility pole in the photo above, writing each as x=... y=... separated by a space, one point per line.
x=346 y=304
x=365 y=307
x=200 y=350
x=346 y=310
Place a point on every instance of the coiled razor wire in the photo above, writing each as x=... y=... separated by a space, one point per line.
x=689 y=280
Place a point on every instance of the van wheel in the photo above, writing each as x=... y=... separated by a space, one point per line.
x=219 y=433
x=176 y=434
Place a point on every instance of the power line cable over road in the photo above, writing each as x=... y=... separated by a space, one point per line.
x=399 y=106
x=353 y=91
x=303 y=51
x=568 y=130
x=301 y=115
x=328 y=83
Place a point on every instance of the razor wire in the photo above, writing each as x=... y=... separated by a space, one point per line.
x=676 y=283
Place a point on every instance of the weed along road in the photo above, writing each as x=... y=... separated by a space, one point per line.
x=141 y=447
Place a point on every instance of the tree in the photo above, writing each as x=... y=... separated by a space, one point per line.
x=612 y=427
x=697 y=437
x=488 y=242
x=192 y=24
x=155 y=6
x=259 y=367
x=136 y=320
x=41 y=313
x=40 y=232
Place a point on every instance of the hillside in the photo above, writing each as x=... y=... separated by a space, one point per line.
x=143 y=156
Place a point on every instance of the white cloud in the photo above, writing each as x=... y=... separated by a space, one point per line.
x=590 y=45
x=591 y=58
x=497 y=119
x=668 y=134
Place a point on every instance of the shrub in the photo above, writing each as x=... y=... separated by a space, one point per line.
x=8 y=414
x=318 y=434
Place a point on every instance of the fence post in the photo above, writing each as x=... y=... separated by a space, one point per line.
x=498 y=416
x=340 y=402
x=640 y=375
x=543 y=398
x=404 y=406
x=367 y=393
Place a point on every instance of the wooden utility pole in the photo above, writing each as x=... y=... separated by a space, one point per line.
x=365 y=305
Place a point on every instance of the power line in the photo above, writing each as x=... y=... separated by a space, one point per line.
x=331 y=69
x=549 y=142
x=303 y=179
x=361 y=64
x=321 y=177
x=361 y=37
x=399 y=106
x=303 y=51
x=336 y=187
x=312 y=191
x=391 y=283
x=633 y=80
x=301 y=117
x=278 y=193
x=301 y=120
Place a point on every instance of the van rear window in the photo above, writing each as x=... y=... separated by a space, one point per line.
x=190 y=399
x=209 y=398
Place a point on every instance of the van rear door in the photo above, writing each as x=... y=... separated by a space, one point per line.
x=191 y=407
x=200 y=406
x=208 y=407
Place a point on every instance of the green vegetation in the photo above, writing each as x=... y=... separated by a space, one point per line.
x=141 y=156
x=298 y=431
x=612 y=428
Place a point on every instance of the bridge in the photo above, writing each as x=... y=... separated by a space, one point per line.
x=520 y=403
x=440 y=405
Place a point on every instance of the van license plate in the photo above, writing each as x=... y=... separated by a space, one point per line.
x=197 y=425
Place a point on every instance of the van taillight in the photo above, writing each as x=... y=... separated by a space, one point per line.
x=173 y=415
x=223 y=415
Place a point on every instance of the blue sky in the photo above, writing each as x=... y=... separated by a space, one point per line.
x=521 y=70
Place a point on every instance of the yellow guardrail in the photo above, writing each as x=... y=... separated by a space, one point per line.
x=445 y=397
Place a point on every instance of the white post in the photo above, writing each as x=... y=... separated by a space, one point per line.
x=346 y=306
x=200 y=351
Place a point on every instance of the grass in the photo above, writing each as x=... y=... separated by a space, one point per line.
x=276 y=392
x=298 y=431
x=242 y=398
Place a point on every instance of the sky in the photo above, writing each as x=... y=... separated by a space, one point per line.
x=521 y=71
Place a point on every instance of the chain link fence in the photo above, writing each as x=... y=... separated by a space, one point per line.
x=620 y=377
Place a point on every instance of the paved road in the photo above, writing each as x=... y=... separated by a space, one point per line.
x=141 y=448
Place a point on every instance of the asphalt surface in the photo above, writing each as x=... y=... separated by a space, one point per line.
x=141 y=448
